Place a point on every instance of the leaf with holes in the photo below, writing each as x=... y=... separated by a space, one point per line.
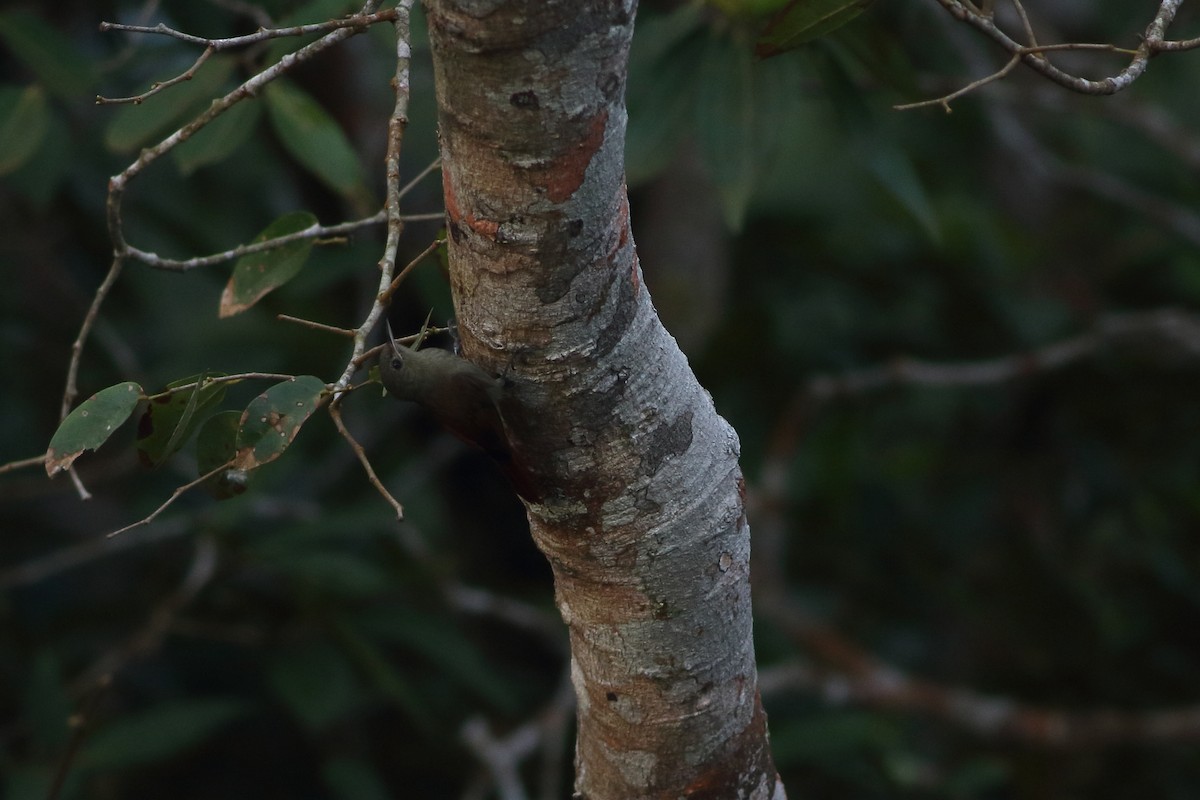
x=167 y=422
x=257 y=274
x=272 y=420
x=90 y=425
x=801 y=21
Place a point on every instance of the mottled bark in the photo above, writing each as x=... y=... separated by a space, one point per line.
x=630 y=477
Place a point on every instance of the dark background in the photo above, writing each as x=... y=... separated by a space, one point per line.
x=1031 y=540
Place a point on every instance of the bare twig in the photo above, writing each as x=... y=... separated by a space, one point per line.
x=860 y=679
x=175 y=495
x=211 y=379
x=1179 y=328
x=523 y=616
x=33 y=461
x=335 y=412
x=357 y=22
x=386 y=297
x=158 y=86
x=311 y=232
x=408 y=187
x=944 y=101
x=1032 y=55
x=502 y=756
x=316 y=326
x=396 y=125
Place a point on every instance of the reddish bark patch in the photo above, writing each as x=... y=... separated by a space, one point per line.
x=563 y=176
x=484 y=227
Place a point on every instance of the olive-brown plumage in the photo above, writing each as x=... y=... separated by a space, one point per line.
x=460 y=395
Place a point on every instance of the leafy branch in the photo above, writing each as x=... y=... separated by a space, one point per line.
x=233 y=447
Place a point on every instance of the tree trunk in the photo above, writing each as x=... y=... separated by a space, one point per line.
x=629 y=476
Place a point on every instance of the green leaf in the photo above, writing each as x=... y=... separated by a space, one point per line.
x=158 y=733
x=894 y=170
x=314 y=138
x=34 y=780
x=41 y=175
x=801 y=21
x=383 y=674
x=332 y=573
x=135 y=125
x=24 y=116
x=444 y=645
x=48 y=706
x=216 y=141
x=257 y=274
x=662 y=89
x=725 y=124
x=167 y=422
x=317 y=684
x=216 y=444
x=53 y=58
x=272 y=420
x=90 y=425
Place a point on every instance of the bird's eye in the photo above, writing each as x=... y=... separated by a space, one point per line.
x=397 y=363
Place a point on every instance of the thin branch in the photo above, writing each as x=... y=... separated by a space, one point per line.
x=1031 y=38
x=359 y=22
x=236 y=378
x=1167 y=45
x=397 y=123
x=502 y=756
x=944 y=101
x=158 y=86
x=523 y=616
x=335 y=412
x=1173 y=326
x=33 y=461
x=1153 y=41
x=316 y=326
x=386 y=297
x=175 y=495
x=420 y=176
x=860 y=679
x=314 y=231
x=1181 y=219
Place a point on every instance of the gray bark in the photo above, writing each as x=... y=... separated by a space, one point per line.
x=629 y=476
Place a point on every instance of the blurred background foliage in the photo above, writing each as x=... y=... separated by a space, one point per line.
x=1033 y=540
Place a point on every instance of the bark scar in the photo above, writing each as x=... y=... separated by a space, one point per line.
x=484 y=227
x=563 y=176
